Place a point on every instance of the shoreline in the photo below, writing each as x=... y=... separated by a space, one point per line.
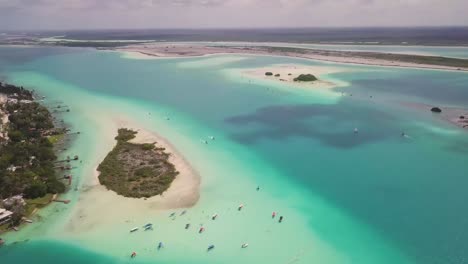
x=187 y=51
x=33 y=205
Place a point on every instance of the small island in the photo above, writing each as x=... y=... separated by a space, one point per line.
x=436 y=110
x=136 y=170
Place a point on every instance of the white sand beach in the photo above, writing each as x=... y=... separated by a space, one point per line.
x=99 y=207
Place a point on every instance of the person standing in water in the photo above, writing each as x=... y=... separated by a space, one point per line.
x=280 y=219
x=273 y=215
x=133 y=255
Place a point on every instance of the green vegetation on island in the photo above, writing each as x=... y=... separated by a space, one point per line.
x=305 y=78
x=26 y=155
x=136 y=170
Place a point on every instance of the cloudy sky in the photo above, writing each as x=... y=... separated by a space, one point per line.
x=86 y=14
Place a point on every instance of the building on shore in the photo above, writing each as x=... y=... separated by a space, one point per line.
x=5 y=216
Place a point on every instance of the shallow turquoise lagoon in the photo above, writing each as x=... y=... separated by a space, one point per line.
x=371 y=197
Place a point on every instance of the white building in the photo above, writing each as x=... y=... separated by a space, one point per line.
x=5 y=216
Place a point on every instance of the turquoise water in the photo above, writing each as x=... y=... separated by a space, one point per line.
x=374 y=197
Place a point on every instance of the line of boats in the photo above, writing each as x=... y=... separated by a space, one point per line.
x=211 y=247
x=146 y=227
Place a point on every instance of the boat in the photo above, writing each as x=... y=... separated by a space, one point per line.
x=212 y=138
x=214 y=216
x=183 y=212
x=245 y=245
x=356 y=130
x=134 y=229
x=148 y=228
x=171 y=215
x=160 y=245
x=148 y=225
x=187 y=226
x=211 y=247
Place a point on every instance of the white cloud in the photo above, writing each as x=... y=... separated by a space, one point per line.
x=229 y=13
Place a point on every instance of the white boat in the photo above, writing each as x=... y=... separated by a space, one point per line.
x=245 y=245
x=134 y=229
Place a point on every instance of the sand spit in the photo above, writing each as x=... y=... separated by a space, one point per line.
x=158 y=50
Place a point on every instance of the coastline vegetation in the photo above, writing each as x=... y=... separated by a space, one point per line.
x=417 y=59
x=26 y=154
x=136 y=170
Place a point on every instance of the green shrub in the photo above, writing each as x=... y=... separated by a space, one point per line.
x=147 y=146
x=35 y=190
x=305 y=78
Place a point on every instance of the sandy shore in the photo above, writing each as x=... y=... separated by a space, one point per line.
x=159 y=50
x=287 y=73
x=99 y=207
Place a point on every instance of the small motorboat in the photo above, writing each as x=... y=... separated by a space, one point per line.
x=160 y=245
x=240 y=207
x=245 y=245
x=211 y=247
x=183 y=212
x=356 y=130
x=133 y=229
x=214 y=217
x=171 y=215
x=149 y=228
x=148 y=225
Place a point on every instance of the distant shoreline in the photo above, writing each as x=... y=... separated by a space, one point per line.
x=346 y=57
